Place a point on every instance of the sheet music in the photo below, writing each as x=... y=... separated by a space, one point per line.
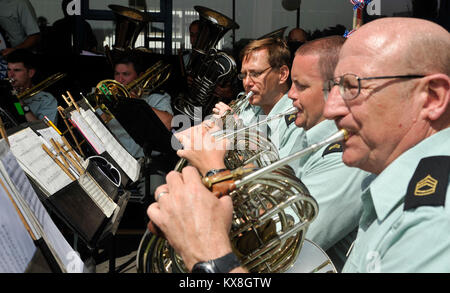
x=101 y=199
x=50 y=133
x=27 y=148
x=16 y=245
x=126 y=161
x=17 y=180
x=87 y=132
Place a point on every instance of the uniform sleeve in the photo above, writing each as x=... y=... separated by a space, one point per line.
x=337 y=190
x=160 y=102
x=44 y=104
x=27 y=16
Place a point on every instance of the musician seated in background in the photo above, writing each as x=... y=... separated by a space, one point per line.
x=265 y=72
x=21 y=70
x=127 y=70
x=295 y=38
x=336 y=187
x=391 y=90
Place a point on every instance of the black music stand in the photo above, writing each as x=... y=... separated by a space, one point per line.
x=144 y=126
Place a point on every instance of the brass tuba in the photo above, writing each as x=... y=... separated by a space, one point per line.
x=207 y=66
x=272 y=213
x=129 y=24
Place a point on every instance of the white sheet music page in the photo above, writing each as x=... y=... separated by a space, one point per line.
x=27 y=148
x=16 y=245
x=120 y=155
x=50 y=133
x=18 y=180
x=87 y=131
x=101 y=199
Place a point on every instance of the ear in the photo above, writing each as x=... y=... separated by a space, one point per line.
x=436 y=89
x=284 y=74
x=31 y=72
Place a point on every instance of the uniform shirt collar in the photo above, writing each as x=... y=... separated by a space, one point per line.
x=282 y=105
x=390 y=186
x=320 y=131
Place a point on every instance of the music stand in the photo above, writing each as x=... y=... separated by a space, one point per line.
x=144 y=126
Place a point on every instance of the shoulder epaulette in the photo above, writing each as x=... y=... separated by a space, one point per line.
x=428 y=186
x=290 y=118
x=335 y=147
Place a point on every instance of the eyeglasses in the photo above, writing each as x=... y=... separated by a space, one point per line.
x=350 y=84
x=252 y=74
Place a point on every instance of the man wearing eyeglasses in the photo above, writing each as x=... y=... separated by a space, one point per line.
x=265 y=72
x=391 y=91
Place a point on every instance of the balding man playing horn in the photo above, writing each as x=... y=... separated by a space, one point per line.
x=392 y=92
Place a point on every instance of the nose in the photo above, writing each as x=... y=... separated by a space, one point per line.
x=291 y=93
x=247 y=82
x=335 y=106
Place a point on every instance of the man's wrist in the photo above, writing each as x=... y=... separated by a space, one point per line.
x=223 y=264
x=215 y=166
x=214 y=171
x=205 y=255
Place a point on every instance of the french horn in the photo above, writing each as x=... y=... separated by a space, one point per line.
x=250 y=147
x=265 y=234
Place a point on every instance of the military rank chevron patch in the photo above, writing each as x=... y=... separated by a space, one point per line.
x=428 y=186
x=290 y=118
x=335 y=147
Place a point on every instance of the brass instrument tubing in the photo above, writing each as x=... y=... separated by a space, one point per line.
x=105 y=92
x=238 y=104
x=291 y=111
x=338 y=136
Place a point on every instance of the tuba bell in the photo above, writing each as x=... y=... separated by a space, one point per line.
x=129 y=24
x=207 y=66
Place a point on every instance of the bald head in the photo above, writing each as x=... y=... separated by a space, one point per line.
x=416 y=45
x=297 y=35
